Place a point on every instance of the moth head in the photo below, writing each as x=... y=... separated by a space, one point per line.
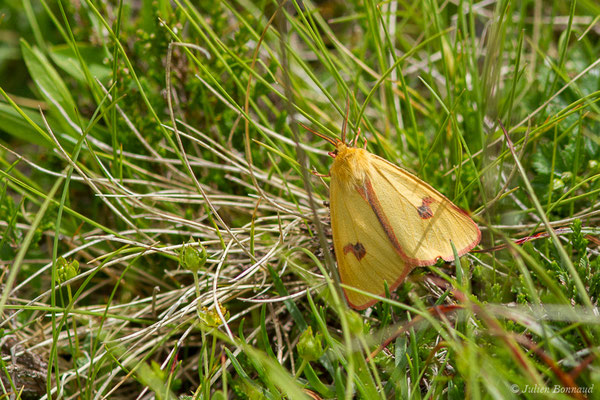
x=351 y=165
x=340 y=147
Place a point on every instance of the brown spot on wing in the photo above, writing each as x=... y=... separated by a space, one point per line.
x=424 y=210
x=357 y=249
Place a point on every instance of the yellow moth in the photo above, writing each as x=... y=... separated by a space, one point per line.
x=385 y=222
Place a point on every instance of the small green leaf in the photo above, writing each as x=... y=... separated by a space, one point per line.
x=93 y=57
x=13 y=123
x=48 y=81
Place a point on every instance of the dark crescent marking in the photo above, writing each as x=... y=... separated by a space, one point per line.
x=357 y=249
x=424 y=210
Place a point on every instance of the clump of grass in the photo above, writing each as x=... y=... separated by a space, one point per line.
x=140 y=134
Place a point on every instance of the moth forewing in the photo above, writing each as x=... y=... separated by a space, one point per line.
x=385 y=221
x=366 y=259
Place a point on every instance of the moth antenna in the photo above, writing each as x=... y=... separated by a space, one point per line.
x=322 y=136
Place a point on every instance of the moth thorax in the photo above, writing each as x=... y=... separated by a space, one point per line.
x=350 y=166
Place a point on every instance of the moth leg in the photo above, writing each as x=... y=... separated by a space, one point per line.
x=356 y=137
x=315 y=173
